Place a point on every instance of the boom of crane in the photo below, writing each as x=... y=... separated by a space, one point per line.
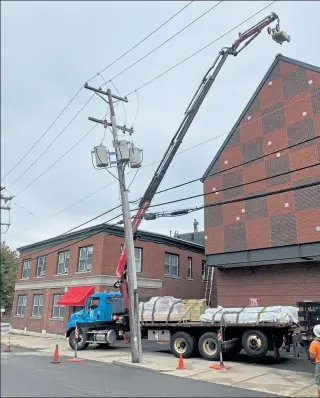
x=244 y=38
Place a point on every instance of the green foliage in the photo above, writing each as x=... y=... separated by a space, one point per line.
x=9 y=264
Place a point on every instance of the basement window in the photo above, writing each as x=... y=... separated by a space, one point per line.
x=37 y=305
x=171 y=265
x=21 y=305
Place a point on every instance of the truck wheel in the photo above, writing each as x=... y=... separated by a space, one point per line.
x=82 y=345
x=182 y=343
x=209 y=346
x=255 y=343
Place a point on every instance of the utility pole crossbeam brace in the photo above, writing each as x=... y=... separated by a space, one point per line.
x=131 y=292
x=246 y=38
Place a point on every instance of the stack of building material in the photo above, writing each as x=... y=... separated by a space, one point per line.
x=276 y=314
x=170 y=309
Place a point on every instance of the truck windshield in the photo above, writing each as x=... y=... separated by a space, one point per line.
x=94 y=303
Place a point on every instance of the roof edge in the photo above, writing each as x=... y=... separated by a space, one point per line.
x=111 y=230
x=279 y=57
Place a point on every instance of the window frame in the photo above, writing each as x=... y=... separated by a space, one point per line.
x=64 y=262
x=26 y=260
x=43 y=266
x=23 y=305
x=204 y=275
x=38 y=305
x=141 y=259
x=54 y=305
x=85 y=268
x=171 y=255
x=190 y=268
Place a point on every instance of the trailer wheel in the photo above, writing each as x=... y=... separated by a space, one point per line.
x=82 y=345
x=255 y=343
x=208 y=346
x=182 y=344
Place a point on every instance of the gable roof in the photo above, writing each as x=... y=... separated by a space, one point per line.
x=279 y=57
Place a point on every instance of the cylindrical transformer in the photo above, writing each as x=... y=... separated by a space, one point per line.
x=135 y=157
x=101 y=155
x=123 y=151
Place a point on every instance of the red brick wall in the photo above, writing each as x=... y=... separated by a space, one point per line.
x=276 y=116
x=271 y=285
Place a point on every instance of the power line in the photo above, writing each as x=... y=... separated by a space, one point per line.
x=51 y=143
x=237 y=165
x=48 y=129
x=97 y=74
x=165 y=42
x=185 y=211
x=197 y=52
x=143 y=40
x=188 y=149
x=236 y=186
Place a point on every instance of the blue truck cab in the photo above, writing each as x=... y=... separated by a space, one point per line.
x=102 y=321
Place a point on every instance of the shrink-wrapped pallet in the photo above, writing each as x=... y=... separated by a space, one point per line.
x=275 y=314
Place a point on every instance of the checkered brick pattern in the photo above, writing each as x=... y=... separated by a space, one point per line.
x=285 y=112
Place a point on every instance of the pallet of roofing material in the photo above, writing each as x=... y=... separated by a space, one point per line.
x=252 y=315
x=171 y=309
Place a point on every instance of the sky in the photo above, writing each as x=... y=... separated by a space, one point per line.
x=50 y=49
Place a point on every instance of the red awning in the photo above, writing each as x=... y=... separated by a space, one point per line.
x=76 y=296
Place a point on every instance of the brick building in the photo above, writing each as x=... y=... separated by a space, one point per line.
x=88 y=258
x=266 y=251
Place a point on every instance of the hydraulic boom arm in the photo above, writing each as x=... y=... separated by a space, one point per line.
x=190 y=114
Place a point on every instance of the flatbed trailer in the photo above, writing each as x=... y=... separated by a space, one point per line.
x=192 y=338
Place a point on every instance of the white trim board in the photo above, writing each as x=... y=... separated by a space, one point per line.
x=96 y=280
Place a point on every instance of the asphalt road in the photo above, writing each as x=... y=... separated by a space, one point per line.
x=26 y=373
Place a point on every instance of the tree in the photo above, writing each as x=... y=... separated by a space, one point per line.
x=9 y=264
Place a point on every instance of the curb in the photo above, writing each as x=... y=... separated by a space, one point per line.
x=140 y=366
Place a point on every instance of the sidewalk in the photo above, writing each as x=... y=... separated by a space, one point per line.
x=259 y=378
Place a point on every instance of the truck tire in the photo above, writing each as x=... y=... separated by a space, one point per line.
x=82 y=345
x=182 y=343
x=208 y=346
x=255 y=343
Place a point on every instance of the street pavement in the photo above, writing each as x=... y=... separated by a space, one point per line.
x=29 y=373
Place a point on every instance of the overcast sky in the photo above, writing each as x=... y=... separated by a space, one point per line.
x=50 y=49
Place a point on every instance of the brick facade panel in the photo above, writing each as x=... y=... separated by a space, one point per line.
x=258 y=233
x=272 y=285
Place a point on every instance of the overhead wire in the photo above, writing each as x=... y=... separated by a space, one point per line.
x=52 y=142
x=166 y=41
x=91 y=78
x=188 y=149
x=198 y=51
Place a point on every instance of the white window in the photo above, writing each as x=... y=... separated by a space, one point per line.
x=190 y=268
x=204 y=271
x=63 y=262
x=26 y=266
x=37 y=305
x=57 y=310
x=85 y=259
x=171 y=265
x=21 y=305
x=41 y=266
x=138 y=256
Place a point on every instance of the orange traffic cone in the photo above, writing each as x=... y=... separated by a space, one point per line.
x=55 y=358
x=7 y=348
x=180 y=364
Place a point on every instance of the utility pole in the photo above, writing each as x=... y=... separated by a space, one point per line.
x=7 y=208
x=123 y=155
